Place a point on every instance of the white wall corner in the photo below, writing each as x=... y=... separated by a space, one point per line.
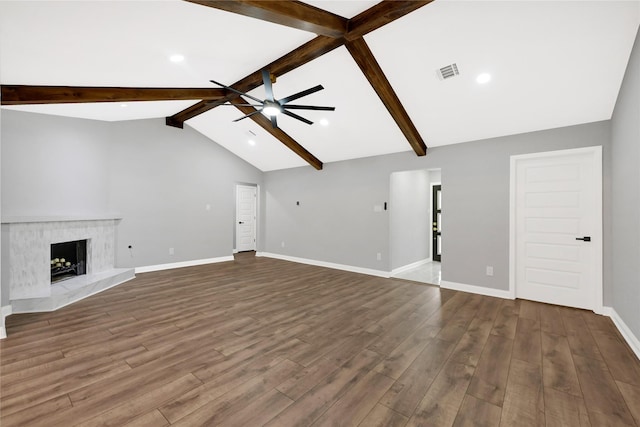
x=158 y=267
x=480 y=290
x=625 y=331
x=351 y=268
x=4 y=312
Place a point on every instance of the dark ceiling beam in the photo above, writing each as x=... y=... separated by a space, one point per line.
x=278 y=133
x=381 y=14
x=294 y=59
x=367 y=21
x=22 y=94
x=367 y=62
x=332 y=35
x=293 y=14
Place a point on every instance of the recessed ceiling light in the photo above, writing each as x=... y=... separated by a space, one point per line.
x=324 y=122
x=123 y=105
x=252 y=142
x=176 y=58
x=483 y=78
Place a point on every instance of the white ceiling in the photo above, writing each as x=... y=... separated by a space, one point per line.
x=552 y=64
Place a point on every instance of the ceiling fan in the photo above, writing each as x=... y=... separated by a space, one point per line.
x=273 y=107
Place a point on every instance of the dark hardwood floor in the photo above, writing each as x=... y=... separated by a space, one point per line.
x=266 y=342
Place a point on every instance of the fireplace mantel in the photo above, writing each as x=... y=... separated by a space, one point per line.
x=15 y=219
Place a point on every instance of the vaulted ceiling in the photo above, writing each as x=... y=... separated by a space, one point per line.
x=551 y=64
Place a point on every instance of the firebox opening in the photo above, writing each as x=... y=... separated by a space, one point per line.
x=68 y=259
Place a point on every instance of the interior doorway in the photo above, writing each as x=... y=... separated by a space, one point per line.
x=246 y=215
x=410 y=225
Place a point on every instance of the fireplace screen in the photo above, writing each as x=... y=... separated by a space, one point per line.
x=68 y=259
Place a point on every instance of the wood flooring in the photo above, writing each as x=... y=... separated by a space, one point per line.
x=267 y=342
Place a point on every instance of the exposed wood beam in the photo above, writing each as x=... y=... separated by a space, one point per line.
x=367 y=62
x=279 y=134
x=293 y=14
x=294 y=59
x=381 y=14
x=21 y=94
x=332 y=34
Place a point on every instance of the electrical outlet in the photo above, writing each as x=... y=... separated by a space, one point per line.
x=489 y=270
x=171 y=251
x=207 y=207
x=379 y=256
x=282 y=244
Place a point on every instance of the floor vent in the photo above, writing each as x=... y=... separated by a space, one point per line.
x=448 y=72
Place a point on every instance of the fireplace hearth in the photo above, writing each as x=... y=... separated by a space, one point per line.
x=68 y=259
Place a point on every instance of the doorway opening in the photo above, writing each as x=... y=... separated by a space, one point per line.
x=410 y=225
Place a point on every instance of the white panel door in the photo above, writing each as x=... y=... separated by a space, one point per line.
x=558 y=226
x=246 y=218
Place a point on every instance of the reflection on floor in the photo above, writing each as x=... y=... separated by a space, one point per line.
x=426 y=273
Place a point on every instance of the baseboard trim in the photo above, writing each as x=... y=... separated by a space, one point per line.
x=351 y=268
x=5 y=311
x=410 y=266
x=193 y=263
x=625 y=331
x=473 y=289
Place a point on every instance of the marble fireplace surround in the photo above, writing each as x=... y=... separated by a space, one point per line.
x=26 y=256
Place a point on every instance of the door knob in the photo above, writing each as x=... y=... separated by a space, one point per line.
x=240 y=222
x=585 y=238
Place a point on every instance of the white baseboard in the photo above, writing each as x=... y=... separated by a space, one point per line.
x=159 y=267
x=625 y=331
x=473 y=289
x=351 y=268
x=5 y=311
x=410 y=266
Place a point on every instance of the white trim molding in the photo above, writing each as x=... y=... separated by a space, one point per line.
x=5 y=311
x=480 y=290
x=169 y=266
x=351 y=268
x=410 y=266
x=624 y=329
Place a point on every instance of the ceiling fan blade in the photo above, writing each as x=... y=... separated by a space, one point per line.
x=295 y=116
x=300 y=94
x=248 y=115
x=274 y=122
x=268 y=88
x=308 y=107
x=236 y=91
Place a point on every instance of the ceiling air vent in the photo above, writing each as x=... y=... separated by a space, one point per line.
x=448 y=71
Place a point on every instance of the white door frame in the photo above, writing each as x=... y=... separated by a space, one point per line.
x=257 y=216
x=596 y=153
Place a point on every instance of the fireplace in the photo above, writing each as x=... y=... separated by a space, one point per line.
x=68 y=259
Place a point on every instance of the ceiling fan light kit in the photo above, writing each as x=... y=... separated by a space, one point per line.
x=271 y=109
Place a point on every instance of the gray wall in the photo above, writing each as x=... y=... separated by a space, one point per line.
x=336 y=222
x=625 y=206
x=409 y=217
x=54 y=165
x=158 y=178
x=162 y=178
